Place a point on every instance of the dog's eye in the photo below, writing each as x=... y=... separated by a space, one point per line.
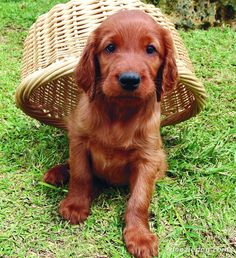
x=150 y=49
x=110 y=48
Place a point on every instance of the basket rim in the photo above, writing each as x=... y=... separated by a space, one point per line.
x=43 y=76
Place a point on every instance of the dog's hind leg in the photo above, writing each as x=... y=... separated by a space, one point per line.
x=58 y=175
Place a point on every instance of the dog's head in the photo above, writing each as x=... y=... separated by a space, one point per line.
x=129 y=56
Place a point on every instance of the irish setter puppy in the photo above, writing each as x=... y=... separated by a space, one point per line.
x=114 y=133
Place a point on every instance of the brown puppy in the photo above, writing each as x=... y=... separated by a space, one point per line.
x=114 y=132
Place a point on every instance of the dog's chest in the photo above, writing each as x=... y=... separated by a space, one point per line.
x=111 y=164
x=113 y=149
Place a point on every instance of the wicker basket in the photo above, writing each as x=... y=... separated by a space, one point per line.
x=52 y=49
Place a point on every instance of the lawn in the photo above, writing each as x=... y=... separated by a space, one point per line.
x=193 y=208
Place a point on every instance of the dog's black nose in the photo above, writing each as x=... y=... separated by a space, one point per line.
x=129 y=80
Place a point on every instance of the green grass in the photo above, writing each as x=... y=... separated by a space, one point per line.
x=193 y=208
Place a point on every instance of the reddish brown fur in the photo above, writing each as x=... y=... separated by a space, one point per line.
x=115 y=134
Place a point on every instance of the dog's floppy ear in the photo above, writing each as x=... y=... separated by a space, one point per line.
x=167 y=76
x=87 y=70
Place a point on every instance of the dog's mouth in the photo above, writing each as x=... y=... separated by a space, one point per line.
x=128 y=97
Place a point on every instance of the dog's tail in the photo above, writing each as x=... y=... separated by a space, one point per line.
x=58 y=175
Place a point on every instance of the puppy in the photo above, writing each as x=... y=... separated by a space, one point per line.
x=114 y=133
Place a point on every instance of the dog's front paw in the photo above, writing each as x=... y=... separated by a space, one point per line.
x=141 y=243
x=73 y=210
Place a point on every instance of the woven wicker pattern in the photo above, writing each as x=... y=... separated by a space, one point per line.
x=52 y=49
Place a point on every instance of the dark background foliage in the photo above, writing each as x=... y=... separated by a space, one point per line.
x=198 y=13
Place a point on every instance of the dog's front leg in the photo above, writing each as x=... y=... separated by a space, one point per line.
x=139 y=240
x=75 y=207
